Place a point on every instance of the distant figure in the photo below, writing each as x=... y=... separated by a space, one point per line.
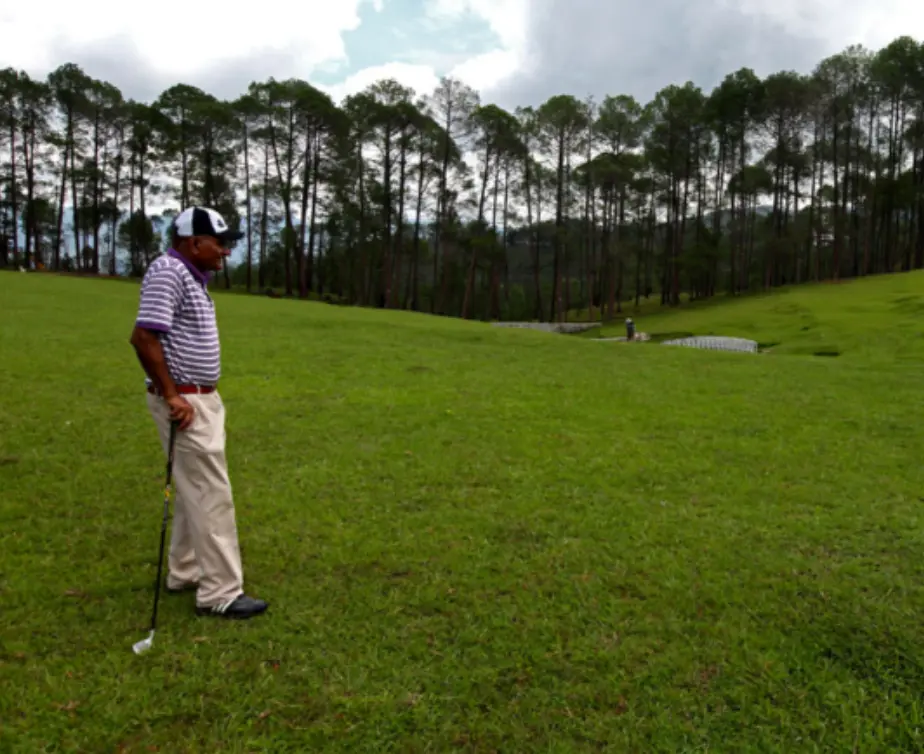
x=176 y=339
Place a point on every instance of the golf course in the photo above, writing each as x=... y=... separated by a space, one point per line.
x=475 y=538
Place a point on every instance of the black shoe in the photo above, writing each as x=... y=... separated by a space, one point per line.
x=240 y=609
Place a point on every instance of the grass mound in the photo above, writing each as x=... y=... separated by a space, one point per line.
x=475 y=538
x=873 y=320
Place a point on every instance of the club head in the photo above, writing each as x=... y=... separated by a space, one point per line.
x=144 y=645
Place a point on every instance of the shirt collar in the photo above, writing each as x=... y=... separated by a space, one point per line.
x=202 y=277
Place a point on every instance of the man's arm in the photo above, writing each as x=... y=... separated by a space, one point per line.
x=151 y=355
x=160 y=292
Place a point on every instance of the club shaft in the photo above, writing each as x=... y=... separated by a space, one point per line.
x=163 y=525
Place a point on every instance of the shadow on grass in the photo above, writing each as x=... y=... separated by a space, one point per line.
x=660 y=337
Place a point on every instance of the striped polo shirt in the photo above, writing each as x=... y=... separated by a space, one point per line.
x=175 y=302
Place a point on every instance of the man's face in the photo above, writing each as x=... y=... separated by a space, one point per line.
x=209 y=252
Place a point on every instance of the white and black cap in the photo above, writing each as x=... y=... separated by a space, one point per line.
x=202 y=221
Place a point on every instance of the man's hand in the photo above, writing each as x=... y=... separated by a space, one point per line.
x=180 y=411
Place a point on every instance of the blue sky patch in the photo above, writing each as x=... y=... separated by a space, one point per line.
x=402 y=32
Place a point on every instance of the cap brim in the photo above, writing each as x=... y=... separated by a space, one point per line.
x=230 y=235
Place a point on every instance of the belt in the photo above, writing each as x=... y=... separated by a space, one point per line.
x=186 y=389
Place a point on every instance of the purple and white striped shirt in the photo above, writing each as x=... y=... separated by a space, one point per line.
x=176 y=304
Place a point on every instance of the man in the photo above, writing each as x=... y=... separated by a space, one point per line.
x=176 y=340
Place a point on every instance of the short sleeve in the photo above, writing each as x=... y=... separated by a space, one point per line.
x=160 y=293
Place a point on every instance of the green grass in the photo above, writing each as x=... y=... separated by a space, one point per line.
x=475 y=538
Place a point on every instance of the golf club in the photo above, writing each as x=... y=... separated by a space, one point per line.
x=145 y=644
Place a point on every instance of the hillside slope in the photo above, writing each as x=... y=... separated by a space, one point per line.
x=869 y=319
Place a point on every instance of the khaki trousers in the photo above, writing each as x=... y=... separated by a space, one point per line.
x=203 y=545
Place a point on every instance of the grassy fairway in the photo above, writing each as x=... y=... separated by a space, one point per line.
x=475 y=538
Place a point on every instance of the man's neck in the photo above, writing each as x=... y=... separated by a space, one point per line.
x=201 y=276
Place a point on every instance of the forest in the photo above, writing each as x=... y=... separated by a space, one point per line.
x=438 y=202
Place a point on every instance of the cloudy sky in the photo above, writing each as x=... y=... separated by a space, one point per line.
x=512 y=51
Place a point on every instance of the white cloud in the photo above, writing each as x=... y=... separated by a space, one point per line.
x=421 y=78
x=485 y=71
x=872 y=23
x=177 y=37
x=480 y=72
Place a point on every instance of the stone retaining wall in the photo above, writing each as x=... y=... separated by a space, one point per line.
x=716 y=343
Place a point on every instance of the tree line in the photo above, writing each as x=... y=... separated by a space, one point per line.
x=444 y=204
